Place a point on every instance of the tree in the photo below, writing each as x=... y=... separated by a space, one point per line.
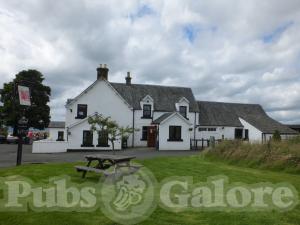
x=276 y=136
x=114 y=131
x=38 y=114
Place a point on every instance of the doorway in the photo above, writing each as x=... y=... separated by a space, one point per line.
x=151 y=136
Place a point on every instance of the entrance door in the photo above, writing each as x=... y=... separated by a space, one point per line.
x=151 y=136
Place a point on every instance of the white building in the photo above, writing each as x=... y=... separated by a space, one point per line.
x=167 y=118
x=238 y=121
x=56 y=131
x=135 y=105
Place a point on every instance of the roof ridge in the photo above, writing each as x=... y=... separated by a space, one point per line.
x=155 y=85
x=233 y=103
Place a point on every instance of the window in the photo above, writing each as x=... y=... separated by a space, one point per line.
x=175 y=133
x=202 y=129
x=87 y=139
x=102 y=139
x=183 y=111
x=212 y=129
x=60 y=136
x=238 y=133
x=146 y=111
x=81 y=111
x=246 y=134
x=145 y=133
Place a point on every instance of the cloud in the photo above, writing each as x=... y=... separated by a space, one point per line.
x=227 y=51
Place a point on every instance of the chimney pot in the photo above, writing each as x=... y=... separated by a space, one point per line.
x=102 y=72
x=128 y=79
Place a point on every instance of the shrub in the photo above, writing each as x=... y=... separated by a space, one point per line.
x=276 y=136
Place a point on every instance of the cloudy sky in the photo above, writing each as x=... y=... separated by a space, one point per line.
x=237 y=51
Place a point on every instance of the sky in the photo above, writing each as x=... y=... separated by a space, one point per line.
x=233 y=51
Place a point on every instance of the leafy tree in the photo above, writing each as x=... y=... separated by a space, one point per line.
x=38 y=112
x=105 y=124
x=276 y=136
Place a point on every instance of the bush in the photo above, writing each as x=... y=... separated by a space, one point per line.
x=276 y=136
x=3 y=131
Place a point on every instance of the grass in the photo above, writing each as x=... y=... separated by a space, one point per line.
x=197 y=166
x=278 y=156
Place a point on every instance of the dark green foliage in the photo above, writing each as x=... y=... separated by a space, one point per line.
x=276 y=136
x=40 y=96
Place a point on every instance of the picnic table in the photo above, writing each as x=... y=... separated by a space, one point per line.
x=105 y=162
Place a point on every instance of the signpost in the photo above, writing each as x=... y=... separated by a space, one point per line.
x=22 y=130
x=24 y=99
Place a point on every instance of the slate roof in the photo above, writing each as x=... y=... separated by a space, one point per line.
x=164 y=97
x=56 y=124
x=162 y=118
x=228 y=114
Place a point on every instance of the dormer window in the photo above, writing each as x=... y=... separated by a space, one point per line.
x=183 y=111
x=81 y=111
x=182 y=106
x=146 y=111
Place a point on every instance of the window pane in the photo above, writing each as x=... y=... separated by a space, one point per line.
x=175 y=133
x=183 y=110
x=145 y=133
x=103 y=138
x=146 y=110
x=60 y=136
x=81 y=111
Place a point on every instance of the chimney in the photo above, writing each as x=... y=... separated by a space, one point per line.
x=128 y=79
x=102 y=72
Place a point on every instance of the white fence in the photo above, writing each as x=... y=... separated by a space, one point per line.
x=48 y=146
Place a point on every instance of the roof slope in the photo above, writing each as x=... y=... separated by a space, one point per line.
x=164 y=97
x=56 y=124
x=228 y=114
x=162 y=118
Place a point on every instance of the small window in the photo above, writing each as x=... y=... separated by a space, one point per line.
x=246 y=134
x=60 y=136
x=175 y=133
x=212 y=129
x=87 y=139
x=183 y=111
x=103 y=139
x=202 y=129
x=81 y=111
x=145 y=133
x=146 y=111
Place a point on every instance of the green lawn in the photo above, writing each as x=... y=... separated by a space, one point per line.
x=196 y=166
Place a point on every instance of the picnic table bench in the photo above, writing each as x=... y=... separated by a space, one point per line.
x=105 y=162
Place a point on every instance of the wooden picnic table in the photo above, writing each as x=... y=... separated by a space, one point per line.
x=105 y=162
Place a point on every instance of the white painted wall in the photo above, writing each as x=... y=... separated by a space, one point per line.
x=53 y=133
x=103 y=99
x=228 y=133
x=139 y=123
x=255 y=135
x=75 y=138
x=164 y=144
x=48 y=146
